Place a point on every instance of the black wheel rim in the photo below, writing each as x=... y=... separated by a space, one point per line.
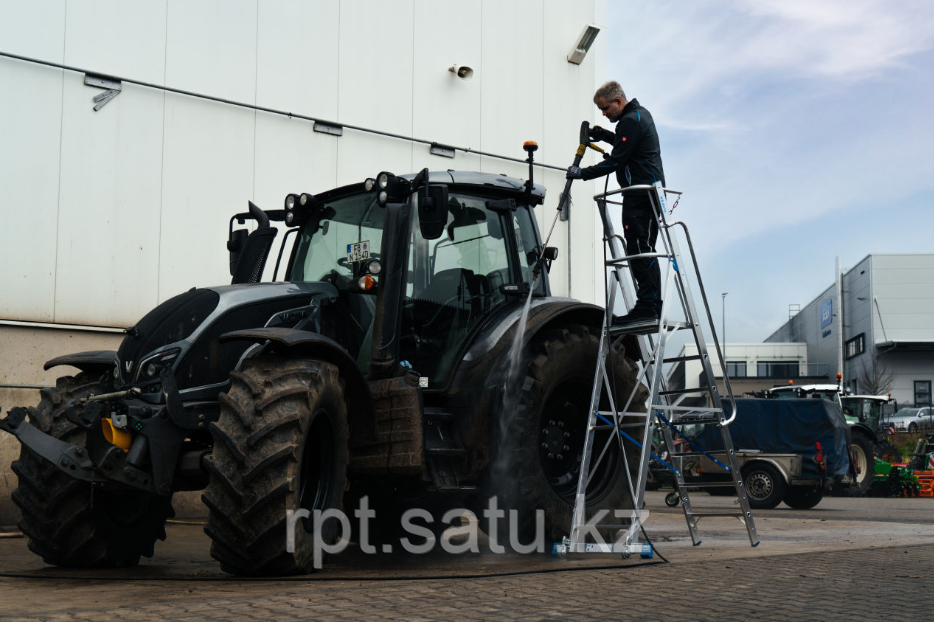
x=562 y=431
x=317 y=465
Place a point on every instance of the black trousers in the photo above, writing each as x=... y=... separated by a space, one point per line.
x=640 y=230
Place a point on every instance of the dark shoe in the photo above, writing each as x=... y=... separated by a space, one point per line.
x=637 y=319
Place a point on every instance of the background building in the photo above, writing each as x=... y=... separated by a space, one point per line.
x=752 y=367
x=885 y=326
x=106 y=213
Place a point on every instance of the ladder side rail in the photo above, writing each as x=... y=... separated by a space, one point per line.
x=700 y=284
x=580 y=503
x=691 y=309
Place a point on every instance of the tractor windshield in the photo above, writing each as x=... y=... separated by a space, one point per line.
x=454 y=281
x=337 y=235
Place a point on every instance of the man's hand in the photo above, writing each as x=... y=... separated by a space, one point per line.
x=574 y=172
x=599 y=134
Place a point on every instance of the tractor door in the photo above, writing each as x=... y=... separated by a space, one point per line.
x=454 y=282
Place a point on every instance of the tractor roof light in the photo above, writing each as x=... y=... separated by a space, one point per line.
x=369 y=184
x=383 y=180
x=289 y=217
x=306 y=199
x=290 y=200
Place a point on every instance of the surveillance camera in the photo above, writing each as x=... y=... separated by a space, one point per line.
x=461 y=71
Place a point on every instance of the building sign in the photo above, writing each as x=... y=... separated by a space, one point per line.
x=826 y=314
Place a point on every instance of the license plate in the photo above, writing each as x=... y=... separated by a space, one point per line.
x=358 y=251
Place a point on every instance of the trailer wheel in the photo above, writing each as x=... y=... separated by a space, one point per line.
x=865 y=465
x=803 y=497
x=74 y=523
x=765 y=486
x=540 y=443
x=280 y=444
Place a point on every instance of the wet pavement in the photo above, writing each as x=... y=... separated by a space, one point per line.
x=845 y=559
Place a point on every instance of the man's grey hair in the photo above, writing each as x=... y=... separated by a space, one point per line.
x=609 y=92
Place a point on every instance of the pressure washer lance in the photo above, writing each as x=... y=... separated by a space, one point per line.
x=530 y=147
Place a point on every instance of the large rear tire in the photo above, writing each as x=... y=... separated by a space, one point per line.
x=538 y=450
x=280 y=444
x=803 y=497
x=74 y=523
x=861 y=447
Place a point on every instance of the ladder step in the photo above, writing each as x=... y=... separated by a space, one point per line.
x=624 y=261
x=703 y=514
x=708 y=485
x=683 y=391
x=698 y=418
x=679 y=359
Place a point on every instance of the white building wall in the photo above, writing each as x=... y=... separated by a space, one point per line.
x=108 y=213
x=133 y=200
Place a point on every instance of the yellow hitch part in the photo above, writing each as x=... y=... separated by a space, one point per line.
x=116 y=436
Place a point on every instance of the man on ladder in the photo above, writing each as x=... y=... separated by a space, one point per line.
x=637 y=159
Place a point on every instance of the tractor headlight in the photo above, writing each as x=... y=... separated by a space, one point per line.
x=374 y=267
x=154 y=365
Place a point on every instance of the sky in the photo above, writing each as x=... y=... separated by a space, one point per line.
x=799 y=131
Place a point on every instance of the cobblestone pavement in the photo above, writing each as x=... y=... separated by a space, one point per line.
x=866 y=584
x=827 y=567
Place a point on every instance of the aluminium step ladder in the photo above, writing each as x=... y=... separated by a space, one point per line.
x=623 y=426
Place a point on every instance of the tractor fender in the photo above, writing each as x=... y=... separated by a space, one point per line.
x=544 y=313
x=362 y=417
x=91 y=361
x=862 y=428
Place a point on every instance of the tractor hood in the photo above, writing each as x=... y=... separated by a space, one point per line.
x=184 y=331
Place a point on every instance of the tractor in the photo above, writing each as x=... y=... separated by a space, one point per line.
x=412 y=355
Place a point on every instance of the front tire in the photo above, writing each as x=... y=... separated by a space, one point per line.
x=538 y=455
x=280 y=444
x=74 y=523
x=765 y=486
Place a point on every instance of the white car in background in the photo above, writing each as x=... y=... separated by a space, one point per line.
x=912 y=420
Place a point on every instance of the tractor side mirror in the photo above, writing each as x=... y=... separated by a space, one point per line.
x=432 y=210
x=235 y=245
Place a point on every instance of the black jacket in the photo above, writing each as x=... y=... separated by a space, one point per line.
x=636 y=156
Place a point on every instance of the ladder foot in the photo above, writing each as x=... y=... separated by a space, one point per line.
x=698 y=543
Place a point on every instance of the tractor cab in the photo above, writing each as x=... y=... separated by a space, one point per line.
x=444 y=252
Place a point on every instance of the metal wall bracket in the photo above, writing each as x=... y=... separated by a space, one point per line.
x=328 y=128
x=113 y=86
x=445 y=151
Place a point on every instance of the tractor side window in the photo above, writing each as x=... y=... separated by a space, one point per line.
x=529 y=249
x=453 y=283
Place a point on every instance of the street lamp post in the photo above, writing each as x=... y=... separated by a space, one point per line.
x=723 y=314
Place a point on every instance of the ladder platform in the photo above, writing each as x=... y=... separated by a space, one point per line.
x=647 y=330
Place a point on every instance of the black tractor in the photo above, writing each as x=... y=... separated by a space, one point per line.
x=382 y=366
